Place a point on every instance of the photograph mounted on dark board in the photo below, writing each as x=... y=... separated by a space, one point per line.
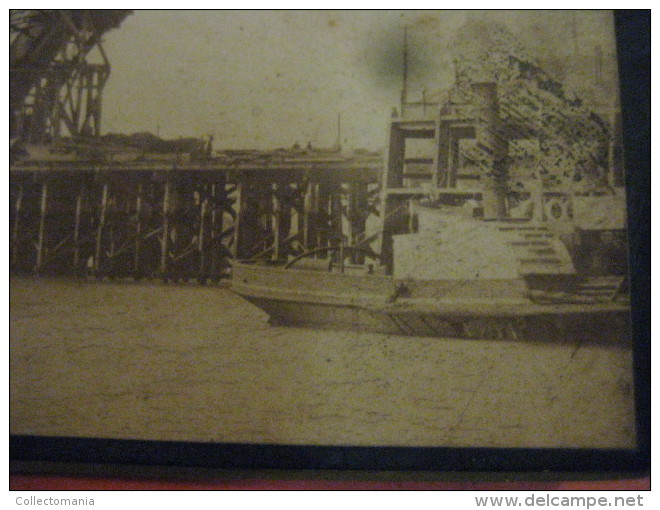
x=323 y=232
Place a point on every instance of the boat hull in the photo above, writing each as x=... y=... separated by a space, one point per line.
x=472 y=309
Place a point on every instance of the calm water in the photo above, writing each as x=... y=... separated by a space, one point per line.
x=184 y=362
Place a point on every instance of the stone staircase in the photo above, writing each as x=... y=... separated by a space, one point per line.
x=538 y=250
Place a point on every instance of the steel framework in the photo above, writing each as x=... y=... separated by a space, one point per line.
x=55 y=88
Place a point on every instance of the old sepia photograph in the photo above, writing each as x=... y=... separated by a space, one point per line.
x=319 y=228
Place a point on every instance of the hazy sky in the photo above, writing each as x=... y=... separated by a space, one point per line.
x=264 y=79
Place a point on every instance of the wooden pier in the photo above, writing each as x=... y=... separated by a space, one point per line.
x=175 y=217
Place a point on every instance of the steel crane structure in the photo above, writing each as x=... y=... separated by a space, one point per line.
x=57 y=70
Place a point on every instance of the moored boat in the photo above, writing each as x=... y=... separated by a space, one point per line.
x=497 y=292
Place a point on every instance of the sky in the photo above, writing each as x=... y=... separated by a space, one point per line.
x=268 y=79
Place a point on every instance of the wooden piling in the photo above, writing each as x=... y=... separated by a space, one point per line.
x=309 y=217
x=238 y=222
x=76 y=227
x=276 y=219
x=117 y=221
x=201 y=233
x=99 y=229
x=356 y=214
x=137 y=247
x=42 y=226
x=165 y=237
x=220 y=202
x=15 y=233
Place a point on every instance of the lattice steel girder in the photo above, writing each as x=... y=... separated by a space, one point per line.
x=52 y=85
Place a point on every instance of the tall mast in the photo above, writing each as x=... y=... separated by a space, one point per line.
x=404 y=89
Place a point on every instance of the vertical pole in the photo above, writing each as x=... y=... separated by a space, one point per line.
x=357 y=205
x=16 y=225
x=262 y=202
x=453 y=159
x=277 y=211
x=393 y=214
x=138 y=231
x=220 y=203
x=395 y=158
x=238 y=224
x=42 y=225
x=201 y=237
x=238 y=205
x=99 y=230
x=165 y=239
x=351 y=213
x=299 y=211
x=336 y=227
x=322 y=215
x=214 y=246
x=308 y=217
x=76 y=227
x=287 y=211
x=213 y=204
x=316 y=217
x=404 y=88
